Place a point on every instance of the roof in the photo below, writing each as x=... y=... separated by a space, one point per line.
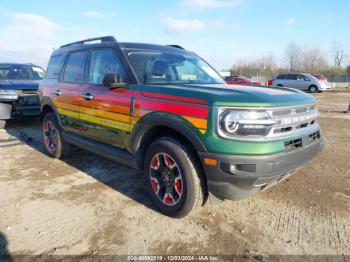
x=144 y=46
x=110 y=41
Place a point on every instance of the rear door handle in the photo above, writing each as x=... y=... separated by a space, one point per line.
x=57 y=92
x=87 y=96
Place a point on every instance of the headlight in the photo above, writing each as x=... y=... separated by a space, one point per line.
x=8 y=94
x=244 y=123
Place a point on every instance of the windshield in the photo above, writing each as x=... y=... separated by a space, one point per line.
x=10 y=72
x=166 y=68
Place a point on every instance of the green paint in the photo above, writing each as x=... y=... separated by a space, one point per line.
x=215 y=96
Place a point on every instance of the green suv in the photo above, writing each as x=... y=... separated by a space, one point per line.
x=164 y=110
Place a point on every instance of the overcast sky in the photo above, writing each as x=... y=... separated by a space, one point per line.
x=221 y=31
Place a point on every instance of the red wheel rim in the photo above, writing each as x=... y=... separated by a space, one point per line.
x=50 y=136
x=166 y=179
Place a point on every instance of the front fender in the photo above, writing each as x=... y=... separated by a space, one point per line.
x=47 y=102
x=172 y=121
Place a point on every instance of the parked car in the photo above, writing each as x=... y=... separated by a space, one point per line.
x=18 y=91
x=269 y=82
x=322 y=78
x=241 y=80
x=164 y=110
x=301 y=81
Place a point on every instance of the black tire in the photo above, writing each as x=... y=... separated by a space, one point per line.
x=55 y=146
x=192 y=193
x=2 y=124
x=279 y=85
x=313 y=89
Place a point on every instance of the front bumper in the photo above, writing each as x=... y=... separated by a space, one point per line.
x=24 y=106
x=254 y=173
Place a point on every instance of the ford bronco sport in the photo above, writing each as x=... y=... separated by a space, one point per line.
x=164 y=110
x=19 y=91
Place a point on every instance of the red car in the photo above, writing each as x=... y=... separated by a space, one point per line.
x=241 y=80
x=320 y=77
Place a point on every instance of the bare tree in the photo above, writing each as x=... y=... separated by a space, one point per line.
x=293 y=56
x=313 y=60
x=338 y=54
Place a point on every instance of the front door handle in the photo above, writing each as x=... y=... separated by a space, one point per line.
x=87 y=96
x=57 y=92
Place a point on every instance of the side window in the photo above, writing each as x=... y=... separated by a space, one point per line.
x=280 y=77
x=291 y=77
x=303 y=78
x=104 y=62
x=74 y=68
x=55 y=66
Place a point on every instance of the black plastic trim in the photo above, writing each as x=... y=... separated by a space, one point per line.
x=104 y=150
x=162 y=121
x=269 y=169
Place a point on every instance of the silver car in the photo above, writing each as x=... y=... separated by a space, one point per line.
x=301 y=81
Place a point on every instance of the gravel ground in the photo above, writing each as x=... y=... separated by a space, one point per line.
x=86 y=204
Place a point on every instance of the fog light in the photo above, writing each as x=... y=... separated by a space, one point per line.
x=233 y=168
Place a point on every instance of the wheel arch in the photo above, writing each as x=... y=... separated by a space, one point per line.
x=48 y=106
x=156 y=125
x=313 y=85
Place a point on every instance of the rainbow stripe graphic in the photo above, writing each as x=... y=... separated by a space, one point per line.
x=112 y=109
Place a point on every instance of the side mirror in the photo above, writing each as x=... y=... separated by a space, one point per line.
x=112 y=81
x=109 y=80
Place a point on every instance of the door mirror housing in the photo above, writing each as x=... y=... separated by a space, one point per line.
x=112 y=81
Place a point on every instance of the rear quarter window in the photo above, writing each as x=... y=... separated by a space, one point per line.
x=55 y=66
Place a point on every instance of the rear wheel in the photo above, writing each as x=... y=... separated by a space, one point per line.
x=279 y=85
x=53 y=141
x=172 y=178
x=2 y=124
x=313 y=89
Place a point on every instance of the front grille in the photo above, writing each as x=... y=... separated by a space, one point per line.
x=21 y=100
x=292 y=120
x=300 y=142
x=293 y=144
x=314 y=136
x=27 y=100
x=28 y=92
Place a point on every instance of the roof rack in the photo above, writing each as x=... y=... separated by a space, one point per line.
x=103 y=39
x=176 y=46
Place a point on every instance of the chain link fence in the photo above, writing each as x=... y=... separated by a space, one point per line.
x=338 y=78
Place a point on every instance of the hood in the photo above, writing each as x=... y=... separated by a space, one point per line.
x=19 y=84
x=233 y=95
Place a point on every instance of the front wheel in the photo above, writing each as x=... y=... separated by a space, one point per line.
x=313 y=89
x=54 y=143
x=172 y=178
